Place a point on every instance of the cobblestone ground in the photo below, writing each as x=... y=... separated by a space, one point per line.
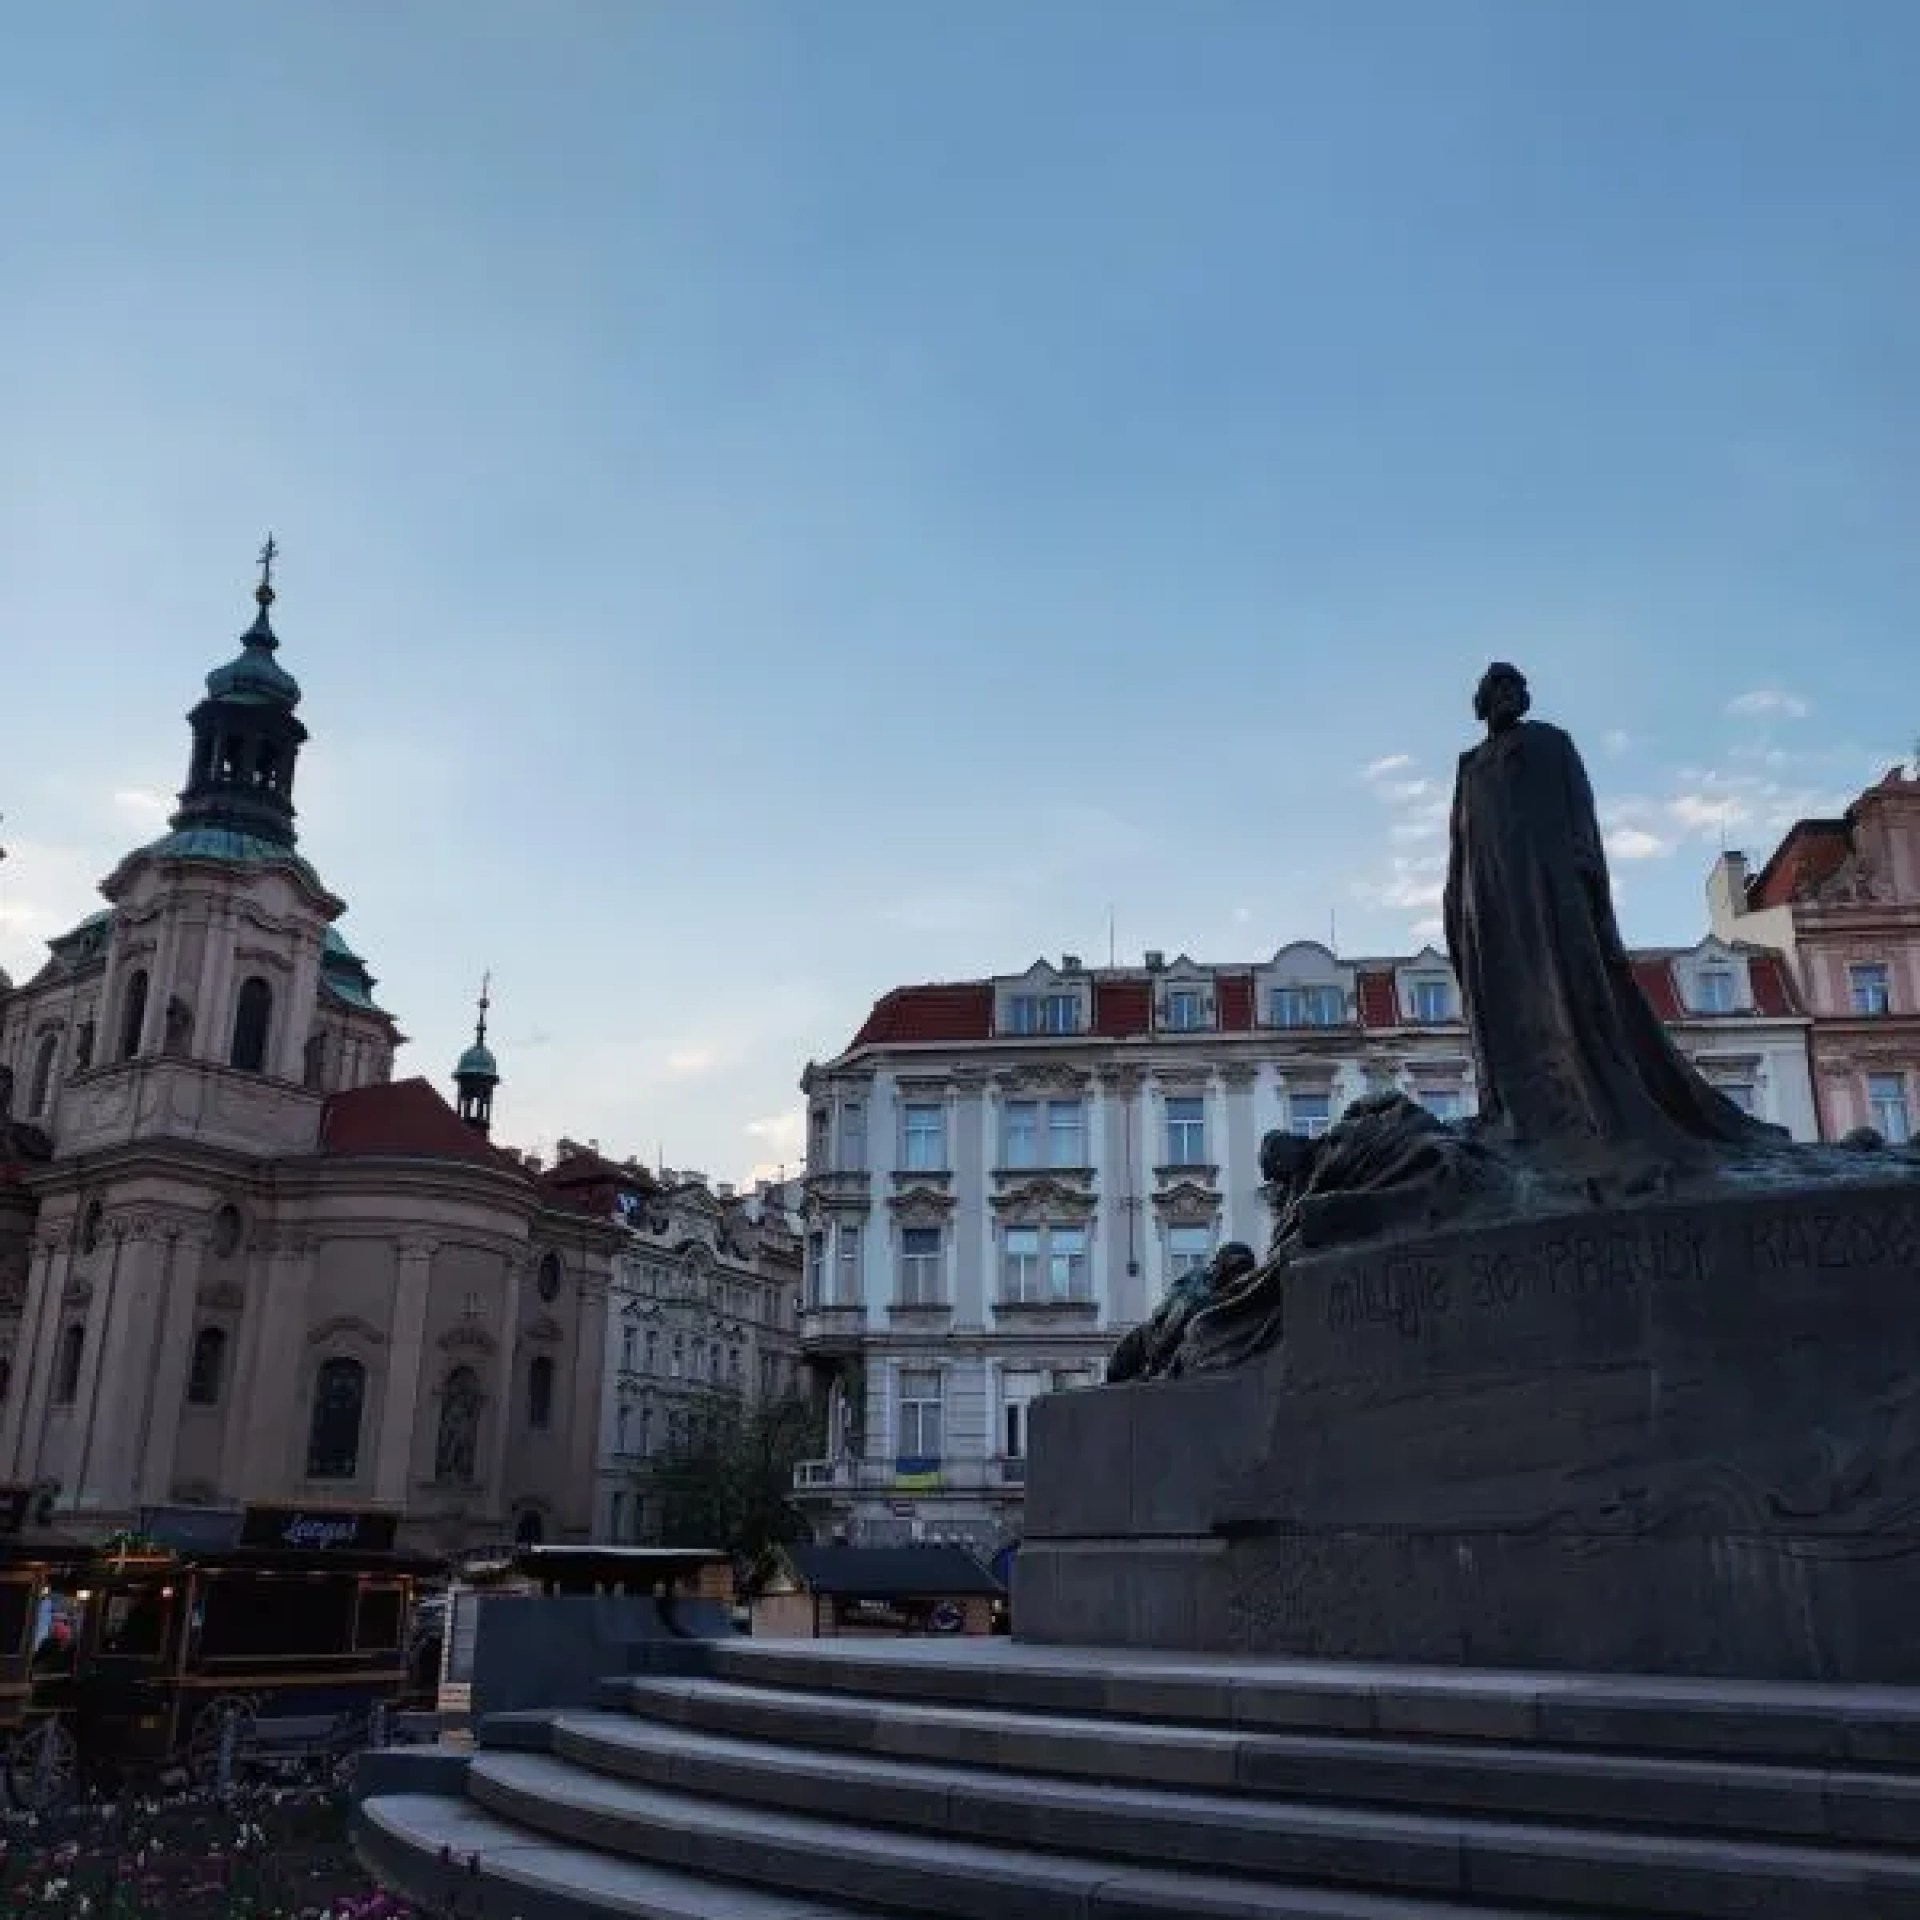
x=268 y=1855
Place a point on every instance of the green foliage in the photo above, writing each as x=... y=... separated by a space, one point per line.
x=733 y=1489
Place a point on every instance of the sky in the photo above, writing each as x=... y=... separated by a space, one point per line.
x=778 y=501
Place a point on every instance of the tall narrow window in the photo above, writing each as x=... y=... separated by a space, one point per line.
x=1021 y=1134
x=1713 y=990
x=333 y=1438
x=1869 y=988
x=43 y=1075
x=925 y=1139
x=456 y=1448
x=853 y=1136
x=133 y=1013
x=1022 y=1264
x=919 y=1416
x=851 y=1292
x=1887 y=1099
x=1186 y=1132
x=208 y=1368
x=252 y=1016
x=1309 y=1114
x=920 y=1266
x=1066 y=1133
x=1067 y=1263
x=1189 y=1248
x=540 y=1393
x=66 y=1383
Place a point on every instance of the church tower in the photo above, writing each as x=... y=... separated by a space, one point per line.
x=246 y=738
x=477 y=1073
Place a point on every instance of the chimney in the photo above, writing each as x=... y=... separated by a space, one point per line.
x=724 y=1190
x=1070 y=963
x=1155 y=959
x=1727 y=885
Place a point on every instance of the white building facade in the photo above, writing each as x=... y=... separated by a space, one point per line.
x=1005 y=1175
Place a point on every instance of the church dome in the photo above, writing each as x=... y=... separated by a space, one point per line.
x=477 y=1063
x=255 y=675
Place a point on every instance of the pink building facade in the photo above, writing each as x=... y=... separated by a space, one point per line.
x=1840 y=899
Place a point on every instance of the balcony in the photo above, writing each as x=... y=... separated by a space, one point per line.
x=968 y=1474
x=832 y=1329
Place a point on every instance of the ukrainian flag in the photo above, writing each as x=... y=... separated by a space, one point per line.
x=916 y=1473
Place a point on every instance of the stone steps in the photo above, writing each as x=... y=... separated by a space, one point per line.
x=1787 y=1801
x=985 y=1779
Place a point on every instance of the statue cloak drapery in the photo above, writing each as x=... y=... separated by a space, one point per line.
x=1570 y=1056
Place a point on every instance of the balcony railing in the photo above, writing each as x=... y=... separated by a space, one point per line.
x=968 y=1475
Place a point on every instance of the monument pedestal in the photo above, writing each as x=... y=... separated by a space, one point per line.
x=1674 y=1438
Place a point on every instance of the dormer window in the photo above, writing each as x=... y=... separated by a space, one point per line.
x=1034 y=1013
x=1321 y=1006
x=1184 y=1010
x=1868 y=988
x=1432 y=1001
x=1713 y=990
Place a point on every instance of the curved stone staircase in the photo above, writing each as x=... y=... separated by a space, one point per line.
x=815 y=1780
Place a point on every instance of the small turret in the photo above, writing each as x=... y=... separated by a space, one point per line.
x=477 y=1073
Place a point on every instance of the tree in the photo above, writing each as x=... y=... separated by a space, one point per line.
x=732 y=1487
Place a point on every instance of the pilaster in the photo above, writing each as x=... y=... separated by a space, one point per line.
x=26 y=1404
x=413 y=1288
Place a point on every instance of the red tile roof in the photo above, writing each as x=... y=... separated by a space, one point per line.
x=1809 y=854
x=933 y=1013
x=1122 y=1008
x=1772 y=986
x=1654 y=972
x=406 y=1120
x=1379 y=1004
x=1233 y=1000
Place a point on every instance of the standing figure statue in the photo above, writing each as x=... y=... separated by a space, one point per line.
x=1572 y=1061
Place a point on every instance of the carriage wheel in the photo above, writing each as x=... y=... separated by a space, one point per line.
x=43 y=1767
x=225 y=1723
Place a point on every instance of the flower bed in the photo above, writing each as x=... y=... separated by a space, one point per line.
x=252 y=1856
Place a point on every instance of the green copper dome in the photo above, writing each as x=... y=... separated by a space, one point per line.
x=232 y=848
x=477 y=1063
x=256 y=677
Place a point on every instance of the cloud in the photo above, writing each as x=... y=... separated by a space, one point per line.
x=1428 y=927
x=692 y=1063
x=1762 y=701
x=1413 y=880
x=1636 y=843
x=143 y=802
x=1616 y=740
x=1386 y=764
x=1242 y=915
x=780 y=1137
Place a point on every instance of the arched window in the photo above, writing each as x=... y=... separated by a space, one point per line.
x=529 y=1530
x=252 y=1015
x=43 y=1075
x=6 y=1375
x=623 y=1414
x=333 y=1439
x=133 y=1013
x=208 y=1369
x=540 y=1392
x=66 y=1379
x=456 y=1451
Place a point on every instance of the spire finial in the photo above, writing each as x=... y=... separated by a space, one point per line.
x=263 y=593
x=480 y=1027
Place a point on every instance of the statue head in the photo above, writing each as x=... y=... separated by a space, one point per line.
x=1501 y=699
x=1284 y=1157
x=1232 y=1260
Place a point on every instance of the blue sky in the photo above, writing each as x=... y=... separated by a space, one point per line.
x=780 y=500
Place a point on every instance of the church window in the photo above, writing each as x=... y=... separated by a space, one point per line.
x=252 y=1015
x=316 y=1062
x=456 y=1450
x=208 y=1368
x=228 y=1228
x=83 y=1047
x=66 y=1382
x=6 y=1375
x=333 y=1439
x=529 y=1531
x=91 y=1224
x=267 y=767
x=540 y=1392
x=43 y=1074
x=133 y=1013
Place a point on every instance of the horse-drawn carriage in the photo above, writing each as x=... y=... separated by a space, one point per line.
x=35 y=1565
x=222 y=1642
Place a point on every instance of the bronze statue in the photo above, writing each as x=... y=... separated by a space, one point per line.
x=1572 y=1062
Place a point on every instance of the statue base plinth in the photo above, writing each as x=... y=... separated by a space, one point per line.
x=1678 y=1438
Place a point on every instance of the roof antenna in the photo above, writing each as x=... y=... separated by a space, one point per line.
x=1333 y=930
x=1113 y=939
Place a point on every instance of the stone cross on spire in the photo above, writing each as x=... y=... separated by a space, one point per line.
x=268 y=553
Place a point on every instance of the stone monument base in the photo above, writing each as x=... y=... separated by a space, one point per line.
x=1676 y=1438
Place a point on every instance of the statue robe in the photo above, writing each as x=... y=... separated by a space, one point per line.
x=1569 y=1054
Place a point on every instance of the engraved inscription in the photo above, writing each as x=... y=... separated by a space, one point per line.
x=1806 y=1239
x=1410 y=1292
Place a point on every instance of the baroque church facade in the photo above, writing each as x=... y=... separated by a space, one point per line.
x=239 y=1260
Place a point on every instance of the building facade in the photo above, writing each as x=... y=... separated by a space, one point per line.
x=1840 y=899
x=239 y=1261
x=1005 y=1175
x=703 y=1317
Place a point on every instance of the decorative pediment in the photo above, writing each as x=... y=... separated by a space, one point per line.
x=925 y=1203
x=345 y=1326
x=1186 y=1203
x=468 y=1337
x=1043 y=1076
x=1041 y=1198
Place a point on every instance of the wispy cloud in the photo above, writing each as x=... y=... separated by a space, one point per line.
x=778 y=1139
x=1412 y=881
x=1636 y=843
x=1386 y=764
x=692 y=1063
x=143 y=803
x=1765 y=702
x=1616 y=740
